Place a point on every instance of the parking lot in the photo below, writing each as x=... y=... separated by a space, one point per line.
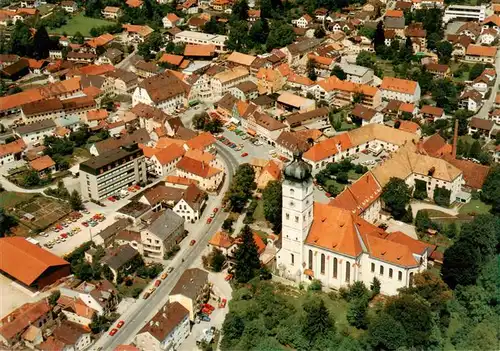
x=245 y=149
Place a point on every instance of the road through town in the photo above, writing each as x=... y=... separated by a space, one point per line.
x=143 y=310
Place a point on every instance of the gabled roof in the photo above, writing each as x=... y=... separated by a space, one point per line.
x=201 y=141
x=479 y=50
x=399 y=85
x=241 y=59
x=22 y=317
x=436 y=146
x=165 y=321
x=474 y=174
x=480 y=123
x=221 y=239
x=197 y=168
x=169 y=154
x=42 y=163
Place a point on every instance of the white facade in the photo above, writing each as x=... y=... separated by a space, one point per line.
x=410 y=97
x=462 y=12
x=189 y=37
x=147 y=342
x=167 y=106
x=184 y=210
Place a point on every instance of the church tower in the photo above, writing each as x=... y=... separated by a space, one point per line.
x=297 y=217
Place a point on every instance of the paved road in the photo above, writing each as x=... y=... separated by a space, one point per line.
x=416 y=206
x=143 y=310
x=488 y=104
x=125 y=63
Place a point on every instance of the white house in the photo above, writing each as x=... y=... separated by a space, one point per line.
x=69 y=6
x=209 y=178
x=166 y=330
x=470 y=100
x=400 y=89
x=171 y=20
x=366 y=115
x=303 y=22
x=34 y=133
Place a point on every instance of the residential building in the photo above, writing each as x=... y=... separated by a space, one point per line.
x=189 y=37
x=483 y=127
x=293 y=103
x=222 y=82
x=441 y=71
x=145 y=69
x=303 y=22
x=164 y=161
x=338 y=247
x=100 y=298
x=166 y=330
x=112 y=171
x=366 y=115
x=209 y=178
x=139 y=136
x=239 y=59
x=171 y=20
x=373 y=137
x=14 y=326
x=12 y=151
x=164 y=91
x=122 y=82
x=192 y=290
x=245 y=91
x=55 y=108
x=314 y=119
x=137 y=33
x=111 y=12
x=34 y=133
x=269 y=81
x=81 y=57
x=261 y=125
x=69 y=6
x=478 y=53
x=67 y=336
x=358 y=74
x=400 y=89
x=270 y=172
x=470 y=100
x=432 y=113
x=165 y=230
x=116 y=258
x=464 y=12
x=43 y=166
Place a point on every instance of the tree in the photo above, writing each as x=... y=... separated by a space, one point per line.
x=240 y=11
x=432 y=40
x=107 y=273
x=476 y=70
x=31 y=179
x=259 y=31
x=379 y=37
x=444 y=50
x=78 y=38
x=232 y=329
x=281 y=34
x=431 y=288
x=238 y=39
x=228 y=224
x=246 y=257
x=54 y=296
x=475 y=149
x=386 y=333
x=41 y=44
x=218 y=260
x=319 y=33
x=460 y=264
x=375 y=286
x=422 y=221
x=200 y=120
x=451 y=230
x=21 y=42
x=491 y=189
x=357 y=313
x=6 y=222
x=272 y=197
x=342 y=178
x=241 y=188
x=396 y=195
x=317 y=321
x=338 y=72
x=442 y=196
x=366 y=59
x=76 y=201
x=311 y=70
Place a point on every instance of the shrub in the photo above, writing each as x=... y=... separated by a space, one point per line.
x=442 y=196
x=315 y=285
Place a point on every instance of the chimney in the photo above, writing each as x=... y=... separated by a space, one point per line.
x=455 y=139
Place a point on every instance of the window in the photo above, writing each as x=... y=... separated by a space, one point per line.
x=287 y=216
x=310 y=259
x=292 y=259
x=400 y=276
x=373 y=267
x=390 y=272
x=292 y=192
x=347 y=272
x=335 y=267
x=411 y=278
x=322 y=263
x=381 y=270
x=296 y=219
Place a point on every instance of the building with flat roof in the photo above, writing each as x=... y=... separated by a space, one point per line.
x=464 y=12
x=189 y=37
x=112 y=171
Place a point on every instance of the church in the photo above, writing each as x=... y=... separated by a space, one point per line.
x=336 y=246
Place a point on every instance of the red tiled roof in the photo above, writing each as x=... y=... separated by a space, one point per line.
x=172 y=59
x=478 y=50
x=42 y=163
x=221 y=239
x=22 y=317
x=474 y=174
x=399 y=85
x=197 y=168
x=24 y=260
x=169 y=154
x=328 y=147
x=201 y=141
x=358 y=196
x=14 y=147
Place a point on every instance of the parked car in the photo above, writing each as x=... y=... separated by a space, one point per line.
x=113 y=332
x=229 y=277
x=205 y=318
x=209 y=220
x=222 y=304
x=146 y=295
x=164 y=276
x=170 y=269
x=157 y=283
x=192 y=242
x=216 y=209
x=245 y=154
x=120 y=324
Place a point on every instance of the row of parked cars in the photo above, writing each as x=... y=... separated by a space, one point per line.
x=92 y=222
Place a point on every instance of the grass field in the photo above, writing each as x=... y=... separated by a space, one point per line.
x=82 y=24
x=45 y=210
x=9 y=199
x=475 y=206
x=258 y=215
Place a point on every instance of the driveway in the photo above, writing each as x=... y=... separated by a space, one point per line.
x=488 y=104
x=417 y=205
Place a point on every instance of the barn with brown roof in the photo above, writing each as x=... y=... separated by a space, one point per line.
x=29 y=264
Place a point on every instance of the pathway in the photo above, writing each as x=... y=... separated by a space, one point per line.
x=416 y=206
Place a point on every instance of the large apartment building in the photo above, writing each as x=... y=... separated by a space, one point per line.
x=107 y=174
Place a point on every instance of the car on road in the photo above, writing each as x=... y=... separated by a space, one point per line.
x=146 y=295
x=164 y=276
x=222 y=304
x=209 y=220
x=120 y=324
x=212 y=215
x=157 y=283
x=192 y=242
x=113 y=332
x=245 y=154
x=170 y=269
x=215 y=210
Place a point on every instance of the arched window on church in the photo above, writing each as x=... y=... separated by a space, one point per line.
x=310 y=259
x=322 y=263
x=411 y=279
x=347 y=272
x=335 y=267
x=292 y=192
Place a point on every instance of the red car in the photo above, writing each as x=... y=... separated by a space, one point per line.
x=245 y=154
x=85 y=224
x=222 y=304
x=120 y=324
x=157 y=283
x=209 y=220
x=215 y=210
x=192 y=242
x=113 y=332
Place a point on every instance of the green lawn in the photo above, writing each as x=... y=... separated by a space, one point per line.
x=82 y=24
x=353 y=175
x=386 y=67
x=258 y=215
x=475 y=206
x=9 y=199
